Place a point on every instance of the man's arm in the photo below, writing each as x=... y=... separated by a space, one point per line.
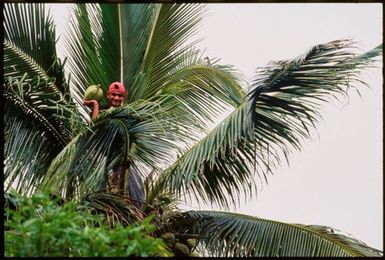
x=95 y=107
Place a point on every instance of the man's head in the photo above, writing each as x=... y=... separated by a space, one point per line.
x=116 y=94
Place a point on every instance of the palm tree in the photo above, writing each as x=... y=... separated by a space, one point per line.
x=168 y=132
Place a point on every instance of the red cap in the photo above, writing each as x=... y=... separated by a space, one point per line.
x=117 y=87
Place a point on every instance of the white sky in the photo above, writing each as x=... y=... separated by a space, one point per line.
x=336 y=179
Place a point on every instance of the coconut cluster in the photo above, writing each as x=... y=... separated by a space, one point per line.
x=179 y=245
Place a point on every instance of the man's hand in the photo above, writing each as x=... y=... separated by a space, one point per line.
x=95 y=107
x=90 y=103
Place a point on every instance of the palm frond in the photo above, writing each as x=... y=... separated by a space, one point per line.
x=230 y=234
x=30 y=44
x=37 y=127
x=297 y=87
x=287 y=95
x=282 y=108
x=363 y=59
x=206 y=90
x=171 y=64
x=172 y=26
x=24 y=95
x=214 y=166
x=135 y=26
x=28 y=149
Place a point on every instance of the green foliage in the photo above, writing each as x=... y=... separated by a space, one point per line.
x=39 y=227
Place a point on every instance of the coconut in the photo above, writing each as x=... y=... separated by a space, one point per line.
x=93 y=92
x=181 y=249
x=168 y=238
x=194 y=254
x=191 y=242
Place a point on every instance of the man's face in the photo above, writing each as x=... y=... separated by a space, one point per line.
x=115 y=99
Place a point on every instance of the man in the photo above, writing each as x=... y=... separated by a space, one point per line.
x=115 y=96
